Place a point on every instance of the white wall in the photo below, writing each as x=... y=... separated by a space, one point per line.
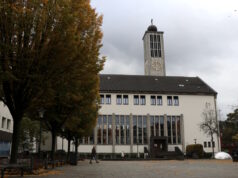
x=191 y=106
x=4 y=112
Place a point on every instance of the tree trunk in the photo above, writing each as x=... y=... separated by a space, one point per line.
x=68 y=149
x=53 y=134
x=15 y=139
x=213 y=155
x=76 y=151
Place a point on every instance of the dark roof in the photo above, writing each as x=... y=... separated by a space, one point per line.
x=5 y=136
x=152 y=28
x=154 y=84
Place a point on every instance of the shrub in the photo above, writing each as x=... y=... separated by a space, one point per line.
x=194 y=151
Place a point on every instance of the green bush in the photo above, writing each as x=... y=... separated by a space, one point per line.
x=194 y=151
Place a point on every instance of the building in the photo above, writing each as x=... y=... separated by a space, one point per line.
x=6 y=129
x=151 y=111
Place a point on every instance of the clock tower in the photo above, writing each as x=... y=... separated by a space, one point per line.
x=154 y=63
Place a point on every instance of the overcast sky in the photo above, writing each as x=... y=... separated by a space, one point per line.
x=200 y=36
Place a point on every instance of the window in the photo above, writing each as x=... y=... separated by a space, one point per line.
x=152 y=126
x=152 y=100
x=142 y=100
x=128 y=130
x=161 y=125
x=125 y=100
x=159 y=100
x=156 y=125
x=3 y=122
x=144 y=130
x=135 y=140
x=209 y=144
x=140 y=129
x=205 y=144
x=101 y=99
x=109 y=129
x=91 y=139
x=155 y=46
x=8 y=124
x=104 y=129
x=99 y=125
x=178 y=130
x=136 y=99
x=85 y=140
x=173 y=130
x=108 y=99
x=119 y=100
x=122 y=127
x=213 y=144
x=117 y=129
x=176 y=101
x=169 y=129
x=169 y=100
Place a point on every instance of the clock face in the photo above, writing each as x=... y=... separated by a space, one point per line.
x=156 y=65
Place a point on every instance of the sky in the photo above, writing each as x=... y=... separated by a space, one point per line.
x=200 y=38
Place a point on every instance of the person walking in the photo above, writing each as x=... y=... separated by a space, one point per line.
x=94 y=155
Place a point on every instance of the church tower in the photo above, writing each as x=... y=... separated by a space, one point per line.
x=154 y=63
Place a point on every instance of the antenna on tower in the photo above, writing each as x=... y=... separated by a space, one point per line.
x=151 y=21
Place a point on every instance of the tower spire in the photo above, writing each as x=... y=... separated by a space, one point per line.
x=154 y=62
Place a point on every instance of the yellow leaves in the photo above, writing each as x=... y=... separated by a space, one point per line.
x=45 y=2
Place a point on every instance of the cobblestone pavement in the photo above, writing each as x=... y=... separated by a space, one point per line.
x=149 y=169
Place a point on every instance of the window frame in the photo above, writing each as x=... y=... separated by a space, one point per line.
x=159 y=100
x=4 y=120
x=136 y=100
x=119 y=99
x=8 y=124
x=142 y=99
x=169 y=100
x=108 y=99
x=125 y=100
x=153 y=100
x=176 y=100
x=102 y=99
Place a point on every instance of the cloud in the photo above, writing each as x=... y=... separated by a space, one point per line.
x=200 y=39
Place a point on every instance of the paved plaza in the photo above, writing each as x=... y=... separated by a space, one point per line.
x=148 y=169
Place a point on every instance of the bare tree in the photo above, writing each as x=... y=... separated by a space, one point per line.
x=209 y=125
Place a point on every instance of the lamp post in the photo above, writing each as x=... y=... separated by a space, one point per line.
x=41 y=115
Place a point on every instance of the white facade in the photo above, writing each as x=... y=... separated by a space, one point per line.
x=190 y=108
x=6 y=121
x=6 y=129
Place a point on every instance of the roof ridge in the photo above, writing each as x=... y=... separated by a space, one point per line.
x=171 y=76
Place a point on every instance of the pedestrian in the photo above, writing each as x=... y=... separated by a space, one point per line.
x=93 y=155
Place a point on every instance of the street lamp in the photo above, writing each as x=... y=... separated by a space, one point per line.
x=41 y=115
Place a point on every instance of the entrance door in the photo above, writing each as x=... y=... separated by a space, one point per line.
x=158 y=146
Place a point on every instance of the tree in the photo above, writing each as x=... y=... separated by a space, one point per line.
x=209 y=125
x=41 y=41
x=227 y=129
x=233 y=117
x=29 y=134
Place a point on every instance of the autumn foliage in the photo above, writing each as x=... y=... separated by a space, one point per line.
x=49 y=51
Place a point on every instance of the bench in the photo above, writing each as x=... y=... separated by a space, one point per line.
x=12 y=166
